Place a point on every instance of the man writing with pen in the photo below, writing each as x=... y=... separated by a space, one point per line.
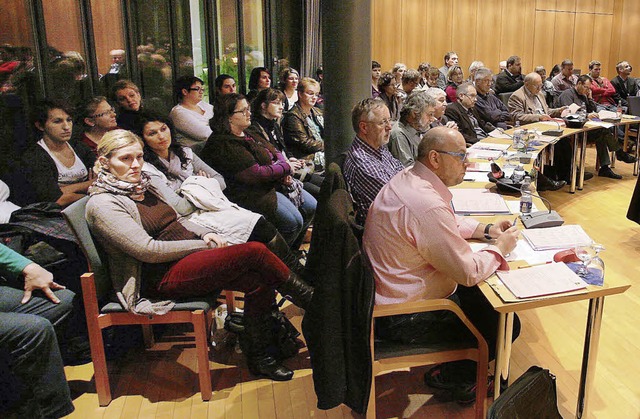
x=418 y=250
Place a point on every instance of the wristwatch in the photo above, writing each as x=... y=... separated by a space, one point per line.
x=486 y=231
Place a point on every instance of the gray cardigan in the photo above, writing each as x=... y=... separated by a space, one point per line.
x=115 y=221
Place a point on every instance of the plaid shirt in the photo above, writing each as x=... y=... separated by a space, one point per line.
x=367 y=170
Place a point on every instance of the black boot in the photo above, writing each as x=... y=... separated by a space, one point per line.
x=297 y=291
x=254 y=343
x=279 y=247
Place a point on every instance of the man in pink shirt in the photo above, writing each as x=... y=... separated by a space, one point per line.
x=602 y=90
x=418 y=250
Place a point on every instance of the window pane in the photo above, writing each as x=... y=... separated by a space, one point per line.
x=108 y=35
x=227 y=58
x=66 y=70
x=19 y=84
x=154 y=53
x=192 y=55
x=253 y=35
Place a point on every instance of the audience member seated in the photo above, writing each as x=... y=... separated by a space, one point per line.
x=602 y=91
x=169 y=165
x=289 y=79
x=441 y=106
x=265 y=123
x=54 y=170
x=510 y=79
x=369 y=165
x=604 y=138
x=6 y=207
x=527 y=105
x=455 y=78
x=98 y=117
x=146 y=243
x=191 y=115
x=547 y=86
x=423 y=69
x=398 y=71
x=475 y=66
x=127 y=95
x=388 y=95
x=224 y=84
x=31 y=305
x=258 y=176
x=418 y=250
x=470 y=124
x=259 y=79
x=410 y=80
x=433 y=78
x=415 y=119
x=376 y=71
x=489 y=106
x=565 y=79
x=450 y=60
x=303 y=125
x=624 y=84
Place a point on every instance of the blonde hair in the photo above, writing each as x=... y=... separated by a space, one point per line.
x=114 y=140
x=306 y=82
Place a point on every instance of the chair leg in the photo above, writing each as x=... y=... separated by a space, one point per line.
x=100 y=372
x=371 y=407
x=202 y=348
x=147 y=335
x=481 y=387
x=230 y=301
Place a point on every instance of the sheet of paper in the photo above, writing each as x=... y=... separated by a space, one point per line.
x=478 y=201
x=573 y=108
x=499 y=133
x=484 y=154
x=599 y=124
x=522 y=251
x=479 y=167
x=552 y=278
x=605 y=114
x=476 y=177
x=563 y=237
x=485 y=145
x=514 y=206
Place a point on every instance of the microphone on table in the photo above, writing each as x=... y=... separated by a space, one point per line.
x=538 y=219
x=554 y=132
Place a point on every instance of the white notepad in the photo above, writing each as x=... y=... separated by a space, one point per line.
x=563 y=237
x=552 y=278
x=477 y=201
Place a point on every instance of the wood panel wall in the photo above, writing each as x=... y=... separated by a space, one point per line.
x=541 y=32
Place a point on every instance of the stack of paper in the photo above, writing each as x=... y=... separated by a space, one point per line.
x=478 y=201
x=552 y=278
x=563 y=237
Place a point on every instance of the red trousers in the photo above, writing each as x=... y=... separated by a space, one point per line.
x=250 y=268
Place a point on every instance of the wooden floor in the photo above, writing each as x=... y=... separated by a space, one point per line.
x=161 y=382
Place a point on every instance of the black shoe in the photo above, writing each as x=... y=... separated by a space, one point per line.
x=258 y=333
x=267 y=366
x=297 y=291
x=625 y=157
x=550 y=185
x=606 y=171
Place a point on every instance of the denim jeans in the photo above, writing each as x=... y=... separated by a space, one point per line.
x=29 y=348
x=292 y=222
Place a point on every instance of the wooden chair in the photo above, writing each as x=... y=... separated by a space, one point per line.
x=96 y=286
x=631 y=131
x=391 y=356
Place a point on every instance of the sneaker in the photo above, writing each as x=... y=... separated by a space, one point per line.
x=606 y=171
x=625 y=157
x=437 y=378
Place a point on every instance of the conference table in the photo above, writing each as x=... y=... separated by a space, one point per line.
x=594 y=294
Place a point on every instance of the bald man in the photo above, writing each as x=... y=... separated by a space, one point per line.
x=418 y=250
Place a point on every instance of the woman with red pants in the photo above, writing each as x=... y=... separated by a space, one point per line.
x=154 y=254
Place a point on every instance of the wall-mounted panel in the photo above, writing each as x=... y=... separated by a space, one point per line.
x=583 y=40
x=489 y=31
x=414 y=33
x=563 y=36
x=463 y=31
x=543 y=37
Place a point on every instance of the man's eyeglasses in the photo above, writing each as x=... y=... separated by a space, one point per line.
x=459 y=155
x=196 y=89
x=100 y=115
x=383 y=123
x=245 y=111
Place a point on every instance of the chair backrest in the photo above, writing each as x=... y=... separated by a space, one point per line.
x=634 y=105
x=504 y=97
x=75 y=216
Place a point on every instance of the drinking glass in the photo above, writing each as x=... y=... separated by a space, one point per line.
x=585 y=254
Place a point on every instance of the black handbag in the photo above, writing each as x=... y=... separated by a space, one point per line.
x=531 y=396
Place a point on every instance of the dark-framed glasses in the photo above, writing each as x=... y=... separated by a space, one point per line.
x=246 y=111
x=101 y=114
x=460 y=155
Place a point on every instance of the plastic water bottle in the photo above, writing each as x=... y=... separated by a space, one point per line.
x=517 y=136
x=619 y=109
x=518 y=174
x=525 y=197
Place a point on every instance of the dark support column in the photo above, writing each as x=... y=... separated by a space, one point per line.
x=346 y=59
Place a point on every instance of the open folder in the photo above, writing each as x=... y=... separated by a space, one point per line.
x=478 y=202
x=536 y=281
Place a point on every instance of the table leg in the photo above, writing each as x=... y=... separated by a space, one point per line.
x=503 y=351
x=573 y=163
x=583 y=158
x=590 y=353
